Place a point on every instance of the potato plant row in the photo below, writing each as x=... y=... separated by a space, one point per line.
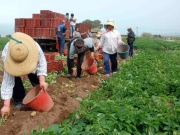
x=142 y=98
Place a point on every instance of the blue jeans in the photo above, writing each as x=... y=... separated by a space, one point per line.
x=113 y=59
x=72 y=29
x=61 y=42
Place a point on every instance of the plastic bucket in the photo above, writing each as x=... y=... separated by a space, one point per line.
x=123 y=51
x=89 y=66
x=38 y=100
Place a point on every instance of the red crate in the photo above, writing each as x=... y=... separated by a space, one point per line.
x=67 y=24
x=19 y=22
x=38 y=32
x=36 y=16
x=49 y=57
x=45 y=13
x=19 y=30
x=50 y=22
x=30 y=32
x=55 y=15
x=67 y=34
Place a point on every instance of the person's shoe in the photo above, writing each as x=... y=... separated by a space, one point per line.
x=114 y=72
x=107 y=75
x=68 y=75
x=18 y=106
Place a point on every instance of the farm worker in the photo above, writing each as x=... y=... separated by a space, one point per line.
x=67 y=17
x=78 y=46
x=99 y=34
x=21 y=56
x=89 y=34
x=130 y=39
x=72 y=25
x=76 y=33
x=61 y=30
x=109 y=42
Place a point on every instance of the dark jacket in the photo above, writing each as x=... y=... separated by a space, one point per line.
x=131 y=37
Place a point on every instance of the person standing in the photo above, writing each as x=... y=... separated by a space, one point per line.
x=72 y=25
x=21 y=56
x=89 y=34
x=109 y=42
x=79 y=49
x=130 y=40
x=61 y=29
x=67 y=17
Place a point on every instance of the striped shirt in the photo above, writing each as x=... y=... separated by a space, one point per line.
x=110 y=41
x=9 y=80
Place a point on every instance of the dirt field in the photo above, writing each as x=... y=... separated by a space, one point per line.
x=21 y=122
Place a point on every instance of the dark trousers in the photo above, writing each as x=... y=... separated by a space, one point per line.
x=70 y=63
x=61 y=42
x=19 y=91
x=131 y=49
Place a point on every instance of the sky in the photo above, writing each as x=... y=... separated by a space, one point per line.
x=161 y=17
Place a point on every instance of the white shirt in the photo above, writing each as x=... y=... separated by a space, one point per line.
x=71 y=22
x=109 y=41
x=9 y=80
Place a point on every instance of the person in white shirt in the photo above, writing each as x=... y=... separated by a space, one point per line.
x=21 y=56
x=109 y=42
x=67 y=17
x=72 y=25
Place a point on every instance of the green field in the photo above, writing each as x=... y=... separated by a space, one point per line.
x=3 y=42
x=142 y=99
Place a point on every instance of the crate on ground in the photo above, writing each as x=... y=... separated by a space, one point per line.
x=49 y=56
x=55 y=65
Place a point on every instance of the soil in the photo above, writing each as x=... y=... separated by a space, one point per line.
x=64 y=93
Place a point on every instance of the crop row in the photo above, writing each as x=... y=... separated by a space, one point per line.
x=143 y=98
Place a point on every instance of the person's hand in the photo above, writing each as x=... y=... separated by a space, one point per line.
x=43 y=85
x=5 y=112
x=74 y=72
x=122 y=43
x=42 y=82
x=92 y=55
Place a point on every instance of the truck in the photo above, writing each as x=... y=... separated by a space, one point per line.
x=42 y=28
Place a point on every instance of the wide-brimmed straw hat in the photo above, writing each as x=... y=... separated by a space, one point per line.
x=99 y=34
x=110 y=22
x=22 y=55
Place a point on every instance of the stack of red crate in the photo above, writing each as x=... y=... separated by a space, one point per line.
x=83 y=28
x=41 y=25
x=53 y=65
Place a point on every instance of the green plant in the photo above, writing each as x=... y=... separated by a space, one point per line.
x=51 y=77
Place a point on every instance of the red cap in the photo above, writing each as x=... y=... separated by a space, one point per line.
x=63 y=21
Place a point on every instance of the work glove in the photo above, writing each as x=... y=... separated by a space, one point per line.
x=5 y=111
x=42 y=83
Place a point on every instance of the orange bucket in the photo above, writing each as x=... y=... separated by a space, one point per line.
x=89 y=66
x=38 y=100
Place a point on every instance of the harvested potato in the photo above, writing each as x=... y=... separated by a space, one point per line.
x=33 y=113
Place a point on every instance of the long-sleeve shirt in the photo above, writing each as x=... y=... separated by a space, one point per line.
x=88 y=43
x=109 y=41
x=9 y=80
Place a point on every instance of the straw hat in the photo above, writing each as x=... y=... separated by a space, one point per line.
x=99 y=34
x=22 y=55
x=110 y=22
